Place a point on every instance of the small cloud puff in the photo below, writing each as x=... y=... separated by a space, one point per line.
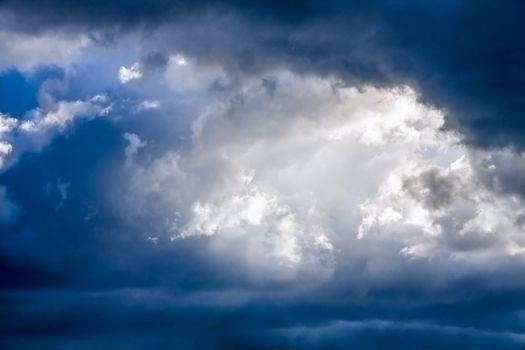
x=126 y=74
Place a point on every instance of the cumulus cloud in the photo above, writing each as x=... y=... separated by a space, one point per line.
x=284 y=180
x=446 y=210
x=294 y=190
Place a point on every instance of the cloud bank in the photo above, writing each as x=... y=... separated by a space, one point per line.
x=264 y=175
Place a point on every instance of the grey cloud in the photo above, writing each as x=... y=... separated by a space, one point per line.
x=238 y=225
x=465 y=57
x=433 y=188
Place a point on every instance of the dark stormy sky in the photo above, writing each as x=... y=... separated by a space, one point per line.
x=262 y=174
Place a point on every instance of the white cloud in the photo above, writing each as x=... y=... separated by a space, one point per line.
x=445 y=210
x=7 y=124
x=126 y=74
x=304 y=178
x=26 y=52
x=147 y=105
x=39 y=126
x=64 y=113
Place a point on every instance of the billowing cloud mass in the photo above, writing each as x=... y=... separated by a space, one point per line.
x=261 y=175
x=285 y=179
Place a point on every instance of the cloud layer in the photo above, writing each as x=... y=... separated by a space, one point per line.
x=464 y=57
x=264 y=175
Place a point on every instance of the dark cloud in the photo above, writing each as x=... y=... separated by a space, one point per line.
x=155 y=60
x=435 y=190
x=75 y=274
x=149 y=318
x=77 y=278
x=466 y=57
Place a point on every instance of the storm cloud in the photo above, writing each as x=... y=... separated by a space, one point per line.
x=262 y=174
x=465 y=57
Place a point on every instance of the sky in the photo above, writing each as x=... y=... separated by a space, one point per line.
x=262 y=174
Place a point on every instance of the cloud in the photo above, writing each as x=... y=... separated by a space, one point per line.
x=256 y=214
x=27 y=52
x=148 y=104
x=298 y=188
x=7 y=124
x=284 y=181
x=39 y=126
x=126 y=75
x=476 y=76
x=446 y=210
x=184 y=75
x=134 y=144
